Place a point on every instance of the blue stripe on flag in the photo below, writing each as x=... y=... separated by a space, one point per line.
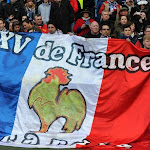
x=12 y=69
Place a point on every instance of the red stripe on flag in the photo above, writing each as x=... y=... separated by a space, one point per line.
x=123 y=110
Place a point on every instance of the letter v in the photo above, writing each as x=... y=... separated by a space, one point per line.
x=18 y=47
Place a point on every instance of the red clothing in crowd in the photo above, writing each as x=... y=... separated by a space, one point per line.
x=105 y=6
x=43 y=28
x=77 y=27
x=74 y=5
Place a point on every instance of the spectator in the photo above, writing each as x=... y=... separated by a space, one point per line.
x=129 y=4
x=24 y=18
x=10 y=25
x=141 y=23
x=146 y=41
x=94 y=31
x=2 y=25
x=123 y=12
x=119 y=29
x=44 y=11
x=142 y=5
x=30 y=9
x=105 y=31
x=146 y=32
x=15 y=9
x=52 y=29
x=2 y=9
x=77 y=9
x=97 y=7
x=134 y=34
x=8 y=20
x=82 y=24
x=127 y=35
x=39 y=23
x=63 y=14
x=113 y=7
x=29 y=27
x=105 y=20
x=16 y=27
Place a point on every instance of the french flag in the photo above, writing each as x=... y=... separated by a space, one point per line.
x=70 y=92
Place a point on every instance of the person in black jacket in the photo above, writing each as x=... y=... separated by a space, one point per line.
x=15 y=9
x=63 y=14
x=2 y=8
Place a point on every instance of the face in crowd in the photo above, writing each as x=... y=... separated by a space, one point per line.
x=147 y=31
x=105 y=31
x=146 y=41
x=142 y=6
x=127 y=31
x=123 y=20
x=27 y=26
x=124 y=13
x=132 y=26
x=86 y=15
x=51 y=28
x=94 y=27
x=17 y=28
x=105 y=16
x=38 y=20
x=24 y=18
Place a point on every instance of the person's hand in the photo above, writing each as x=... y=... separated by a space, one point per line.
x=128 y=40
x=136 y=13
x=83 y=26
x=143 y=15
x=70 y=33
x=11 y=17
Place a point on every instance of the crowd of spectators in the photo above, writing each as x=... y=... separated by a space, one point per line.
x=122 y=19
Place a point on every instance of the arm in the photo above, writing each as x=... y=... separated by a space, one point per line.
x=101 y=9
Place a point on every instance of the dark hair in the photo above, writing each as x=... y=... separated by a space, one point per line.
x=26 y=16
x=2 y=20
x=126 y=26
x=27 y=21
x=130 y=22
x=143 y=11
x=105 y=24
x=52 y=22
x=148 y=26
x=37 y=15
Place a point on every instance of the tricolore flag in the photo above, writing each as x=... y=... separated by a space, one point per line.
x=71 y=92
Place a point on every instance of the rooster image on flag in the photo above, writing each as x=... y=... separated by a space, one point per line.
x=50 y=103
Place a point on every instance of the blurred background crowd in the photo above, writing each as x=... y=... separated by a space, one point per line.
x=122 y=19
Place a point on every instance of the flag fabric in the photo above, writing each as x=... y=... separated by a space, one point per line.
x=70 y=92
